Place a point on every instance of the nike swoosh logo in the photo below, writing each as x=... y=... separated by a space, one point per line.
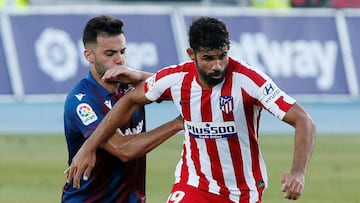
x=184 y=102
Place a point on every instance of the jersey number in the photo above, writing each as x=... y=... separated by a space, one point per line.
x=176 y=197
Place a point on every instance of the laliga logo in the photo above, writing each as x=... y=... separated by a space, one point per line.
x=59 y=55
x=56 y=54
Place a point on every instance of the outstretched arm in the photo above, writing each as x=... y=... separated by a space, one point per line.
x=84 y=160
x=305 y=131
x=129 y=147
x=125 y=74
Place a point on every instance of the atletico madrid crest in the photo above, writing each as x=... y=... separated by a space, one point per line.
x=226 y=103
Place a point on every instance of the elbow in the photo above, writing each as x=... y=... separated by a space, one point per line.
x=125 y=155
x=307 y=124
x=307 y=128
x=311 y=126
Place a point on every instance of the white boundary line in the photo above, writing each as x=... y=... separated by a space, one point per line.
x=11 y=57
x=346 y=50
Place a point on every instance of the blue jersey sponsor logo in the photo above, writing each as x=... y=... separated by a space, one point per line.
x=211 y=130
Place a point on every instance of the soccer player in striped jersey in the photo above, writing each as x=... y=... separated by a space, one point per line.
x=221 y=100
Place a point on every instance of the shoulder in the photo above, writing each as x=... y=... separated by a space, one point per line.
x=169 y=75
x=248 y=71
x=81 y=107
x=83 y=92
x=175 y=69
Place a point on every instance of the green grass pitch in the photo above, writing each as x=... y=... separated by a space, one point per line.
x=31 y=168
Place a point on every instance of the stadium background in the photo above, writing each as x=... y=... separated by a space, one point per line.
x=312 y=53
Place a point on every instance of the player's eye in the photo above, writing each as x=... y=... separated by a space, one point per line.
x=110 y=53
x=208 y=58
x=123 y=51
x=223 y=55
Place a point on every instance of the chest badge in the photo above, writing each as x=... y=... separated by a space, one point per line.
x=226 y=103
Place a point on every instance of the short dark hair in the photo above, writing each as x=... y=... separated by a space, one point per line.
x=208 y=32
x=101 y=25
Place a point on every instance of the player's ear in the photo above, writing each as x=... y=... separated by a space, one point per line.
x=191 y=53
x=88 y=55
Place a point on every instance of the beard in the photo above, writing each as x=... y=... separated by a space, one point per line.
x=100 y=69
x=213 y=77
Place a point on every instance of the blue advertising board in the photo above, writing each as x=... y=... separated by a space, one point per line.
x=51 y=55
x=5 y=87
x=301 y=59
x=303 y=54
x=353 y=25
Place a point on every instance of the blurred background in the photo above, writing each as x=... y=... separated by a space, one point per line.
x=310 y=48
x=246 y=3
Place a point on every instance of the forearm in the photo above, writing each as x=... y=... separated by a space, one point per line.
x=111 y=122
x=305 y=131
x=100 y=135
x=132 y=146
x=140 y=76
x=144 y=75
x=125 y=75
x=304 y=143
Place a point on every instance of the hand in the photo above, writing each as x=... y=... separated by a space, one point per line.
x=82 y=163
x=292 y=185
x=122 y=74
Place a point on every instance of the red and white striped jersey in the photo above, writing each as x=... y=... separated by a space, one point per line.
x=221 y=151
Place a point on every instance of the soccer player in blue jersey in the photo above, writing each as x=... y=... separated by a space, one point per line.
x=119 y=173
